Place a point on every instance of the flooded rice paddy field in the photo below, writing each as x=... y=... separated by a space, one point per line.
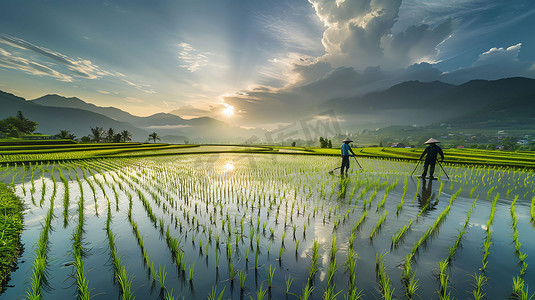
x=273 y=227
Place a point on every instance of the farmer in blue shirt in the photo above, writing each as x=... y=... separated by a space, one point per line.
x=345 y=155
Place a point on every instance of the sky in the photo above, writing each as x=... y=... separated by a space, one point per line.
x=266 y=61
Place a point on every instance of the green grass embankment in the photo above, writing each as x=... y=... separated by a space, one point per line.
x=10 y=229
x=45 y=153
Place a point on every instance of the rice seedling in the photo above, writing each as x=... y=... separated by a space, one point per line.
x=330 y=293
x=161 y=276
x=443 y=279
x=65 y=198
x=242 y=274
x=231 y=271
x=288 y=281
x=384 y=281
x=378 y=224
x=270 y=273
x=330 y=272
x=213 y=294
x=401 y=233
x=462 y=232
x=38 y=277
x=334 y=249
x=307 y=292
x=477 y=291
x=190 y=271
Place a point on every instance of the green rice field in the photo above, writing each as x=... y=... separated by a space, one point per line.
x=220 y=225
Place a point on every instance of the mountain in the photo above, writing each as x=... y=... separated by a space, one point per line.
x=202 y=129
x=159 y=119
x=52 y=119
x=515 y=113
x=409 y=94
x=423 y=103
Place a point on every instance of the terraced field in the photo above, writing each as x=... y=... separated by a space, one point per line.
x=270 y=226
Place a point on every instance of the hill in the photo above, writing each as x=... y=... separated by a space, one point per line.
x=163 y=123
x=515 y=113
x=201 y=129
x=52 y=119
x=423 y=103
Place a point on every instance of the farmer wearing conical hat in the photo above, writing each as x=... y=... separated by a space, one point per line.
x=345 y=155
x=432 y=151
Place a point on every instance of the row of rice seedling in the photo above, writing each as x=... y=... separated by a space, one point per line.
x=78 y=250
x=65 y=197
x=433 y=228
x=462 y=232
x=38 y=277
x=385 y=283
x=121 y=275
x=240 y=212
x=518 y=281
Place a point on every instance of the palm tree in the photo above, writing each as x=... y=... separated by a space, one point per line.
x=126 y=136
x=154 y=136
x=65 y=135
x=97 y=134
x=110 y=135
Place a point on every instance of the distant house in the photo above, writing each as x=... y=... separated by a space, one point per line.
x=523 y=142
x=397 y=145
x=460 y=147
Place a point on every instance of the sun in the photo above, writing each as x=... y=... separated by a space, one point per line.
x=229 y=166
x=228 y=110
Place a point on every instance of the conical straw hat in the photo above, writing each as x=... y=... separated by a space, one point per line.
x=432 y=141
x=347 y=140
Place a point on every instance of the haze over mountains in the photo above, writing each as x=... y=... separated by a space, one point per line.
x=505 y=103
x=423 y=103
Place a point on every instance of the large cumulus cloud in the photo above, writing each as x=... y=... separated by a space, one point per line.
x=366 y=51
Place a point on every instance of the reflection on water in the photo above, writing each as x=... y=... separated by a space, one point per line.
x=229 y=166
x=427 y=199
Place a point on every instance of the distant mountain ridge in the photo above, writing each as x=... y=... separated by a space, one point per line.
x=430 y=102
x=158 y=119
x=164 y=124
x=504 y=103
x=170 y=127
x=438 y=95
x=52 y=119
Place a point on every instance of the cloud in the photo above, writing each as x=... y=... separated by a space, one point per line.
x=355 y=29
x=79 y=67
x=169 y=126
x=140 y=86
x=190 y=111
x=10 y=61
x=499 y=55
x=194 y=59
x=417 y=44
x=133 y=100
x=366 y=51
x=493 y=64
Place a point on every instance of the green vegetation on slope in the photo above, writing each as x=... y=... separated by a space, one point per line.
x=10 y=229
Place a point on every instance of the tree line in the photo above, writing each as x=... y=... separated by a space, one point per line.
x=19 y=126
